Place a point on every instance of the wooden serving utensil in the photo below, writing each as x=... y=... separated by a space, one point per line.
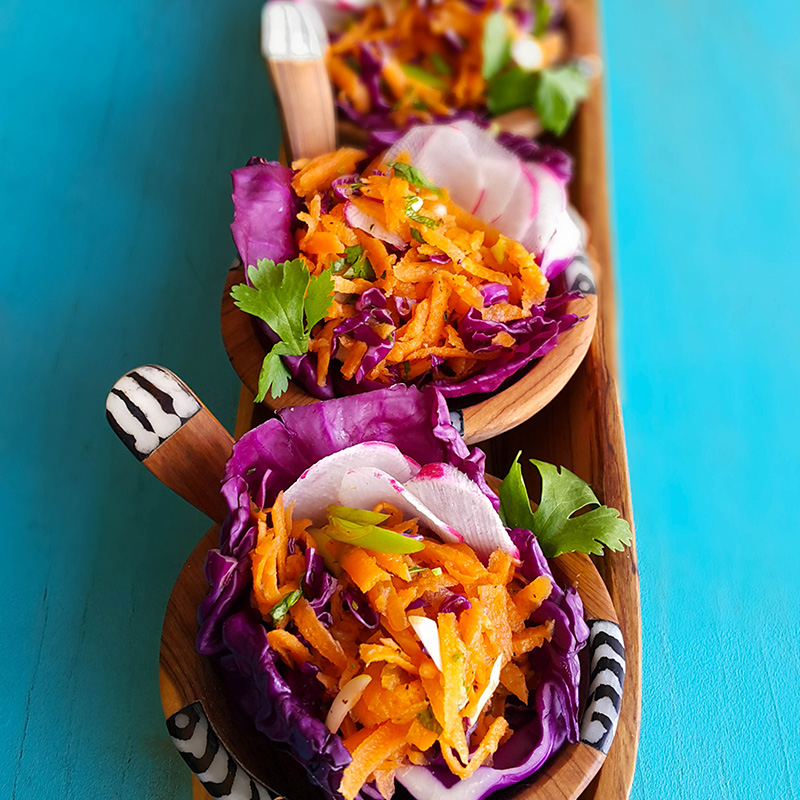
x=166 y=427
x=294 y=57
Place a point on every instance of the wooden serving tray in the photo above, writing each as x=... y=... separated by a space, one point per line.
x=582 y=427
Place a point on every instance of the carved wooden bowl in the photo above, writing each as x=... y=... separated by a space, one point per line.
x=167 y=428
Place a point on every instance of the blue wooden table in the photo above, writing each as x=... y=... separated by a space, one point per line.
x=118 y=125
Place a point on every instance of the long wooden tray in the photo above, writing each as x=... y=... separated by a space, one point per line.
x=582 y=427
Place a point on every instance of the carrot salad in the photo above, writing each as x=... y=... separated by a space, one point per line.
x=396 y=695
x=428 y=58
x=449 y=256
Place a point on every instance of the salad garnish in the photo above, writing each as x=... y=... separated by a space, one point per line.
x=291 y=301
x=557 y=528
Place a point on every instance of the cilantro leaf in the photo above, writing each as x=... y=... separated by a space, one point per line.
x=553 y=523
x=558 y=92
x=317 y=300
x=495 y=45
x=511 y=89
x=515 y=507
x=274 y=376
x=281 y=609
x=291 y=301
x=276 y=296
x=413 y=176
x=355 y=264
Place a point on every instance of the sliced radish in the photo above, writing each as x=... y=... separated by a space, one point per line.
x=561 y=248
x=411 y=142
x=357 y=218
x=550 y=205
x=447 y=159
x=428 y=633
x=515 y=218
x=348 y=696
x=451 y=495
x=500 y=179
x=486 y=695
x=365 y=487
x=318 y=486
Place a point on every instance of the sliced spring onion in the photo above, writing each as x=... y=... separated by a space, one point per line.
x=357 y=515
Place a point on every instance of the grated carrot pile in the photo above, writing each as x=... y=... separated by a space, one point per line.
x=422 y=73
x=436 y=296
x=411 y=707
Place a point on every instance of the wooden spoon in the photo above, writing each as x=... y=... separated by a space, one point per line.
x=167 y=428
x=293 y=53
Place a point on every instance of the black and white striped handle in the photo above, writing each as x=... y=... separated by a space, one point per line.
x=208 y=759
x=166 y=427
x=606 y=681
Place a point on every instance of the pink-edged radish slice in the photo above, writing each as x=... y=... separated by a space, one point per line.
x=521 y=208
x=365 y=487
x=500 y=179
x=428 y=633
x=446 y=158
x=357 y=218
x=342 y=704
x=452 y=496
x=561 y=249
x=550 y=206
x=318 y=486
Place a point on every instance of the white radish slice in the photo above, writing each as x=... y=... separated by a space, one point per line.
x=411 y=143
x=516 y=217
x=365 y=487
x=500 y=179
x=447 y=159
x=318 y=486
x=550 y=205
x=357 y=218
x=561 y=248
x=348 y=696
x=486 y=695
x=451 y=495
x=428 y=633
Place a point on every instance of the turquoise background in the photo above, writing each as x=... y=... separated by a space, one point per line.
x=118 y=125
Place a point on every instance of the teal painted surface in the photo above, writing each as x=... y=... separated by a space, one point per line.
x=118 y=125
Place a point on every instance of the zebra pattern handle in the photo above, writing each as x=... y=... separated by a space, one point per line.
x=146 y=406
x=207 y=757
x=606 y=681
x=161 y=421
x=579 y=276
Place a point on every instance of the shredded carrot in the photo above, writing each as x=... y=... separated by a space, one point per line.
x=411 y=703
x=384 y=743
x=316 y=634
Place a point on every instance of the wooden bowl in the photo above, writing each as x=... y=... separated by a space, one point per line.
x=167 y=428
x=532 y=389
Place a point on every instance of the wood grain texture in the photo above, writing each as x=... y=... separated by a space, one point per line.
x=246 y=346
x=191 y=462
x=186 y=677
x=305 y=101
